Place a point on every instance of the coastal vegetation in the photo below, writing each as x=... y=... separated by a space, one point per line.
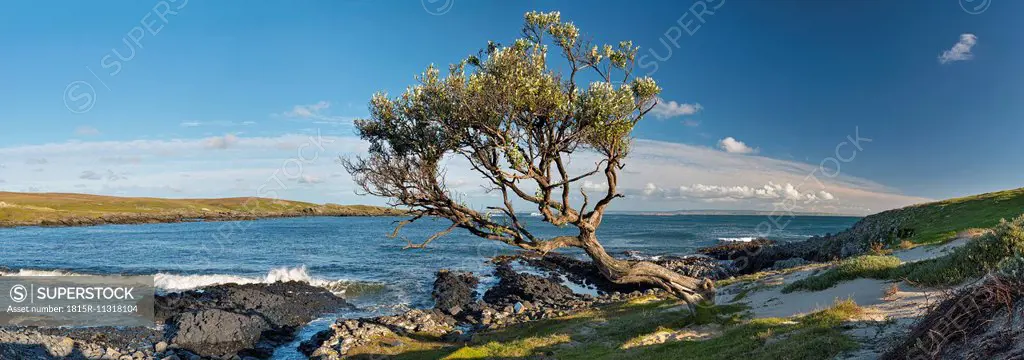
x=645 y=328
x=976 y=258
x=941 y=221
x=866 y=266
x=59 y=209
x=516 y=122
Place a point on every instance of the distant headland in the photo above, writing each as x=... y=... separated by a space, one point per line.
x=64 y=209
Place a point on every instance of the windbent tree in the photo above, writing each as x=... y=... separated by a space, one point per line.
x=517 y=120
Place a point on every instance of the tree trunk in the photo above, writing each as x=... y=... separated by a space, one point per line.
x=689 y=289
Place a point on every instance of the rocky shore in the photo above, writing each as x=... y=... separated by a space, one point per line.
x=217 y=322
x=518 y=297
x=251 y=321
x=881 y=229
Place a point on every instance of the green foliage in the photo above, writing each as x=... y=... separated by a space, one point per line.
x=1012 y=267
x=970 y=261
x=999 y=250
x=867 y=266
x=508 y=100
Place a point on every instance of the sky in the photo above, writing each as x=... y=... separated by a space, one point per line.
x=836 y=106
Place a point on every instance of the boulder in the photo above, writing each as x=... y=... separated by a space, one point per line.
x=454 y=291
x=244 y=320
x=515 y=287
x=219 y=333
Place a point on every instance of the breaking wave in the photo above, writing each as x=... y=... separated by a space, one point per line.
x=738 y=239
x=178 y=282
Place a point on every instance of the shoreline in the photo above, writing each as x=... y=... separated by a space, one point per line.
x=172 y=218
x=67 y=210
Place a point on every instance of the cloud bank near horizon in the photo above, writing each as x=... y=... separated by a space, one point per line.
x=658 y=175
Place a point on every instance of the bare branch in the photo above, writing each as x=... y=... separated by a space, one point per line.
x=431 y=238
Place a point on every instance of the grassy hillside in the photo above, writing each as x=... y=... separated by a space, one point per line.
x=19 y=209
x=942 y=220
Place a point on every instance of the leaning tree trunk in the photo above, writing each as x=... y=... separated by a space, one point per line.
x=691 y=290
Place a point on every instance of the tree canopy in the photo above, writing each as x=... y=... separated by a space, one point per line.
x=516 y=116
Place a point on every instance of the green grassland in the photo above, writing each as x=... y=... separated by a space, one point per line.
x=25 y=209
x=940 y=221
x=623 y=331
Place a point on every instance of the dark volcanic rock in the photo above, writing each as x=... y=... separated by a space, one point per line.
x=217 y=332
x=222 y=322
x=514 y=287
x=886 y=227
x=282 y=303
x=581 y=272
x=454 y=291
x=733 y=250
x=250 y=319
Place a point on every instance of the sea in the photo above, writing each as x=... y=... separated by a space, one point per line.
x=356 y=257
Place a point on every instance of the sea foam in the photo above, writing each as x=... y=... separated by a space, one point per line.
x=738 y=239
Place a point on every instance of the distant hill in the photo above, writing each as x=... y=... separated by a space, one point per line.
x=942 y=220
x=59 y=209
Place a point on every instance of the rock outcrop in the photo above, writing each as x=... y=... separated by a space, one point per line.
x=516 y=287
x=248 y=320
x=454 y=292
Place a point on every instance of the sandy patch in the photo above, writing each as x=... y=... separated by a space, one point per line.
x=691 y=333
x=886 y=319
x=926 y=252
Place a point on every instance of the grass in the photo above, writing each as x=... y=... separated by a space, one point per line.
x=866 y=266
x=940 y=221
x=970 y=261
x=619 y=332
x=42 y=208
x=755 y=276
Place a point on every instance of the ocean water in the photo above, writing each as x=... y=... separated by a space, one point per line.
x=351 y=255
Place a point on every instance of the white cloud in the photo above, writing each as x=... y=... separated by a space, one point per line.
x=318 y=114
x=86 y=131
x=594 y=186
x=216 y=123
x=308 y=111
x=90 y=175
x=650 y=189
x=770 y=191
x=665 y=109
x=733 y=146
x=188 y=168
x=825 y=195
x=221 y=142
x=691 y=123
x=960 y=51
x=309 y=179
x=658 y=173
x=656 y=176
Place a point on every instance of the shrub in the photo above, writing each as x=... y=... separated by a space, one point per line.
x=973 y=260
x=867 y=266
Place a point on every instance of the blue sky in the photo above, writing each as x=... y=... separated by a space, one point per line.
x=222 y=95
